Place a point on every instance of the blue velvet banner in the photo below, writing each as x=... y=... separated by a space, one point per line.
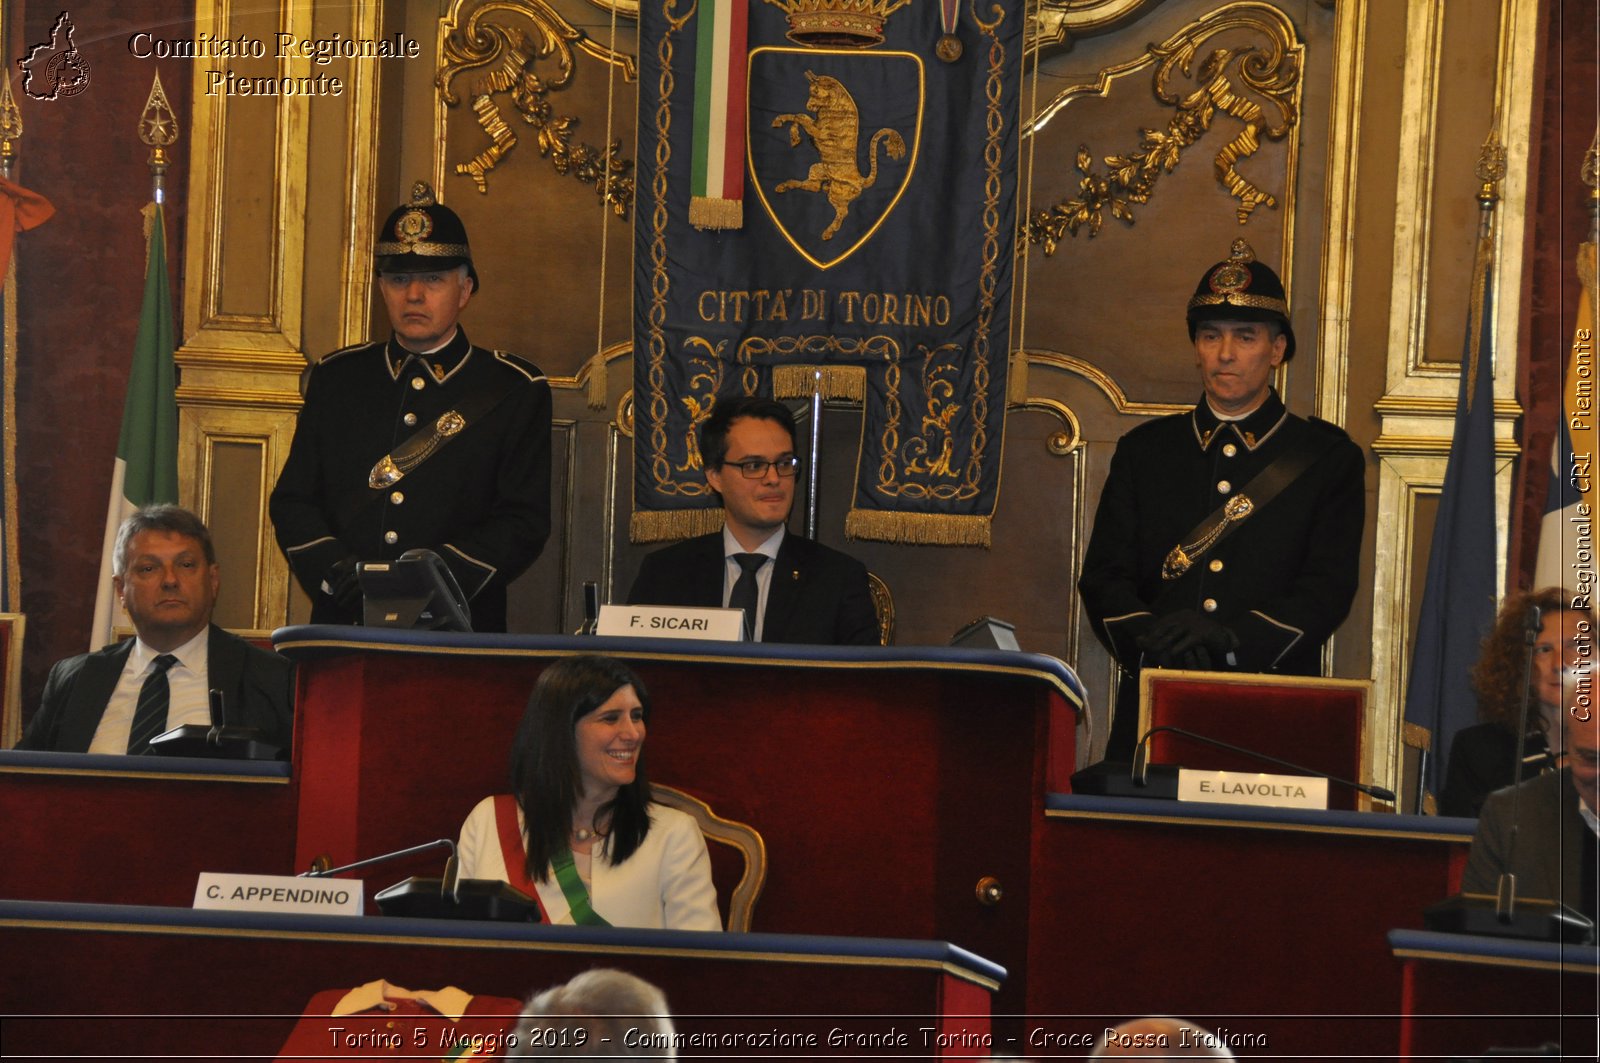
x=874 y=258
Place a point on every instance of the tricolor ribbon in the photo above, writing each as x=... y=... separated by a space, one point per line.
x=716 y=188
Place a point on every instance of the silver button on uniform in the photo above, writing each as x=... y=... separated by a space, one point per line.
x=1209 y=605
x=393 y=537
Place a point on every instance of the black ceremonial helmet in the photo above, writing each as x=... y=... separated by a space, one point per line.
x=1241 y=289
x=423 y=235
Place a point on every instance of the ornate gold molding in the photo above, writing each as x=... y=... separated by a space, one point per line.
x=1070 y=438
x=508 y=59
x=1059 y=22
x=1231 y=81
x=1342 y=180
x=1393 y=444
x=1102 y=380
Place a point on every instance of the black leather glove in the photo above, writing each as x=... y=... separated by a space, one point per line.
x=1188 y=639
x=343 y=583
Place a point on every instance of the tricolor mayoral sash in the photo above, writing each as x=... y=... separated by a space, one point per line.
x=828 y=193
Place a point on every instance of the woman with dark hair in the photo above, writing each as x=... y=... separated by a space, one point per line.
x=581 y=833
x=1482 y=757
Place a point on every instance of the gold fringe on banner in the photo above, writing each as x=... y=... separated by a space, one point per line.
x=654 y=526
x=1017 y=381
x=933 y=529
x=595 y=386
x=838 y=381
x=708 y=213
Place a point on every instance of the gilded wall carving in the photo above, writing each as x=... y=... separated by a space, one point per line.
x=1230 y=82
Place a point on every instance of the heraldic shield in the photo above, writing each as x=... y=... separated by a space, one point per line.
x=832 y=138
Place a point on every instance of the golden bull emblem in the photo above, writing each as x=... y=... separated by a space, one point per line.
x=834 y=126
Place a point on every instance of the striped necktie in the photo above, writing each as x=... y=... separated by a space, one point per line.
x=150 y=717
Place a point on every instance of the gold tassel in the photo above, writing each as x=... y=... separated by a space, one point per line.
x=708 y=213
x=838 y=381
x=1017 y=382
x=595 y=386
x=657 y=525
x=932 y=529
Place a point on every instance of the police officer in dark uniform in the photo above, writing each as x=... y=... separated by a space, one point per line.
x=422 y=440
x=1227 y=538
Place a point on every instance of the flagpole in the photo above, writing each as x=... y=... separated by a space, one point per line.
x=145 y=468
x=1458 y=598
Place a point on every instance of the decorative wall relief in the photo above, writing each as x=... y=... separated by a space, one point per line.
x=1249 y=88
x=524 y=50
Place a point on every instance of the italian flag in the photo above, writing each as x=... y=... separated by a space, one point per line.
x=146 y=469
x=716 y=186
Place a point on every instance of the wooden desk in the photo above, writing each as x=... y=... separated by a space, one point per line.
x=1267 y=922
x=137 y=830
x=1463 y=994
x=887 y=782
x=235 y=984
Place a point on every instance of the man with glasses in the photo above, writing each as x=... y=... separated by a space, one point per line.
x=420 y=440
x=791 y=588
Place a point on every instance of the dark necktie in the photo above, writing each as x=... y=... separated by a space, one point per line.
x=746 y=592
x=150 y=716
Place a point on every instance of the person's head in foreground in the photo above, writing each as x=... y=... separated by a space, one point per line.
x=603 y=1012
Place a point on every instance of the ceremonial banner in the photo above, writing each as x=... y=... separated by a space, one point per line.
x=146 y=467
x=1458 y=600
x=20 y=210
x=1566 y=536
x=872 y=256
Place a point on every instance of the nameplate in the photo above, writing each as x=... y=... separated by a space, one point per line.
x=278 y=893
x=1250 y=788
x=671 y=622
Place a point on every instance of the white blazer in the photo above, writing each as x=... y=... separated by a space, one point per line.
x=665 y=884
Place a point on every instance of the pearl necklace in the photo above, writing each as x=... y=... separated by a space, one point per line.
x=583 y=834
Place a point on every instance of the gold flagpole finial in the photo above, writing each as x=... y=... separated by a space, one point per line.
x=10 y=128
x=158 y=128
x=1491 y=170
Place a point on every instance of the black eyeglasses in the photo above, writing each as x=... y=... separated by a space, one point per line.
x=756 y=468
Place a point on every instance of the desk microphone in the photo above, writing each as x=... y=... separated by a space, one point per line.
x=1141 y=764
x=218 y=740
x=591 y=607
x=447 y=897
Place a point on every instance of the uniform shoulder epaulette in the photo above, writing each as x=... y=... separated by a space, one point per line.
x=342 y=351
x=521 y=365
x=1327 y=426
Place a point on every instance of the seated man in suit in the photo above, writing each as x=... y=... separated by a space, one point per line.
x=116 y=699
x=1554 y=855
x=791 y=589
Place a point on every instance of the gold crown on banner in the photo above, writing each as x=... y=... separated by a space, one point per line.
x=838 y=23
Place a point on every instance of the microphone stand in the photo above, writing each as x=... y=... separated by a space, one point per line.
x=1141 y=764
x=449 y=897
x=1505 y=893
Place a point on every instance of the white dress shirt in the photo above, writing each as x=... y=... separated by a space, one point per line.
x=187 y=681
x=731 y=572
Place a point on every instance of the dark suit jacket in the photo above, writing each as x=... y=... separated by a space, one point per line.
x=258 y=685
x=817 y=595
x=1481 y=761
x=1549 y=841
